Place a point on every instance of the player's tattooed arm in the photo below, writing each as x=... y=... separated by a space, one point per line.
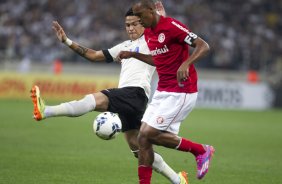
x=89 y=54
x=81 y=50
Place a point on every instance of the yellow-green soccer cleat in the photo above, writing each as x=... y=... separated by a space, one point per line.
x=183 y=177
x=38 y=103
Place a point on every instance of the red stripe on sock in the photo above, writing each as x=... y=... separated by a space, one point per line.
x=189 y=146
x=145 y=174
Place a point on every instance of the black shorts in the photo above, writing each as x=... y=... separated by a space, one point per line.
x=130 y=104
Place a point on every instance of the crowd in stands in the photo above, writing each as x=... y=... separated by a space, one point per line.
x=243 y=35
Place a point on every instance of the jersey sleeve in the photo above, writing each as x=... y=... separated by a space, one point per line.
x=182 y=33
x=108 y=56
x=115 y=50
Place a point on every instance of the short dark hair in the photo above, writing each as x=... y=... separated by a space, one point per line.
x=148 y=4
x=129 y=12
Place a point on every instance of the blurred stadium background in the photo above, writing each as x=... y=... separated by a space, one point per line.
x=245 y=38
x=242 y=73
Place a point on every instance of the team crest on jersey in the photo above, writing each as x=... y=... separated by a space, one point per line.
x=160 y=120
x=161 y=38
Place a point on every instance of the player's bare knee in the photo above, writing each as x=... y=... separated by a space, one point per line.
x=151 y=134
x=142 y=140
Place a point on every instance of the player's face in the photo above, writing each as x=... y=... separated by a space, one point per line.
x=133 y=27
x=146 y=15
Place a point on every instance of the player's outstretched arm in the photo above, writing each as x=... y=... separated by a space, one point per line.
x=142 y=57
x=90 y=54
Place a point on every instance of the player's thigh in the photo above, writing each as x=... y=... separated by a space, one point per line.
x=102 y=101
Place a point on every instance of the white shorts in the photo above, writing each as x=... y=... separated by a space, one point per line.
x=168 y=109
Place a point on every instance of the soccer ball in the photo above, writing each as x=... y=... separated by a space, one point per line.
x=107 y=125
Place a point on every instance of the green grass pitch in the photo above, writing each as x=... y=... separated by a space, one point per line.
x=65 y=150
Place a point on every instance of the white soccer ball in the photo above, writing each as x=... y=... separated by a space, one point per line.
x=107 y=125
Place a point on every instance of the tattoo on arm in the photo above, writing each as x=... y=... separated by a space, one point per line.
x=81 y=50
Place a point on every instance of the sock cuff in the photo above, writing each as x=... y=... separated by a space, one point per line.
x=179 y=143
x=144 y=167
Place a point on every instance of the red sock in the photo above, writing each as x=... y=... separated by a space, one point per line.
x=189 y=146
x=145 y=174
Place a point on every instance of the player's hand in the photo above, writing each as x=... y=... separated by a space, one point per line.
x=160 y=8
x=182 y=72
x=124 y=55
x=59 y=31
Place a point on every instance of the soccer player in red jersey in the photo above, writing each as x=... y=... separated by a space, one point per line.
x=169 y=40
x=129 y=99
